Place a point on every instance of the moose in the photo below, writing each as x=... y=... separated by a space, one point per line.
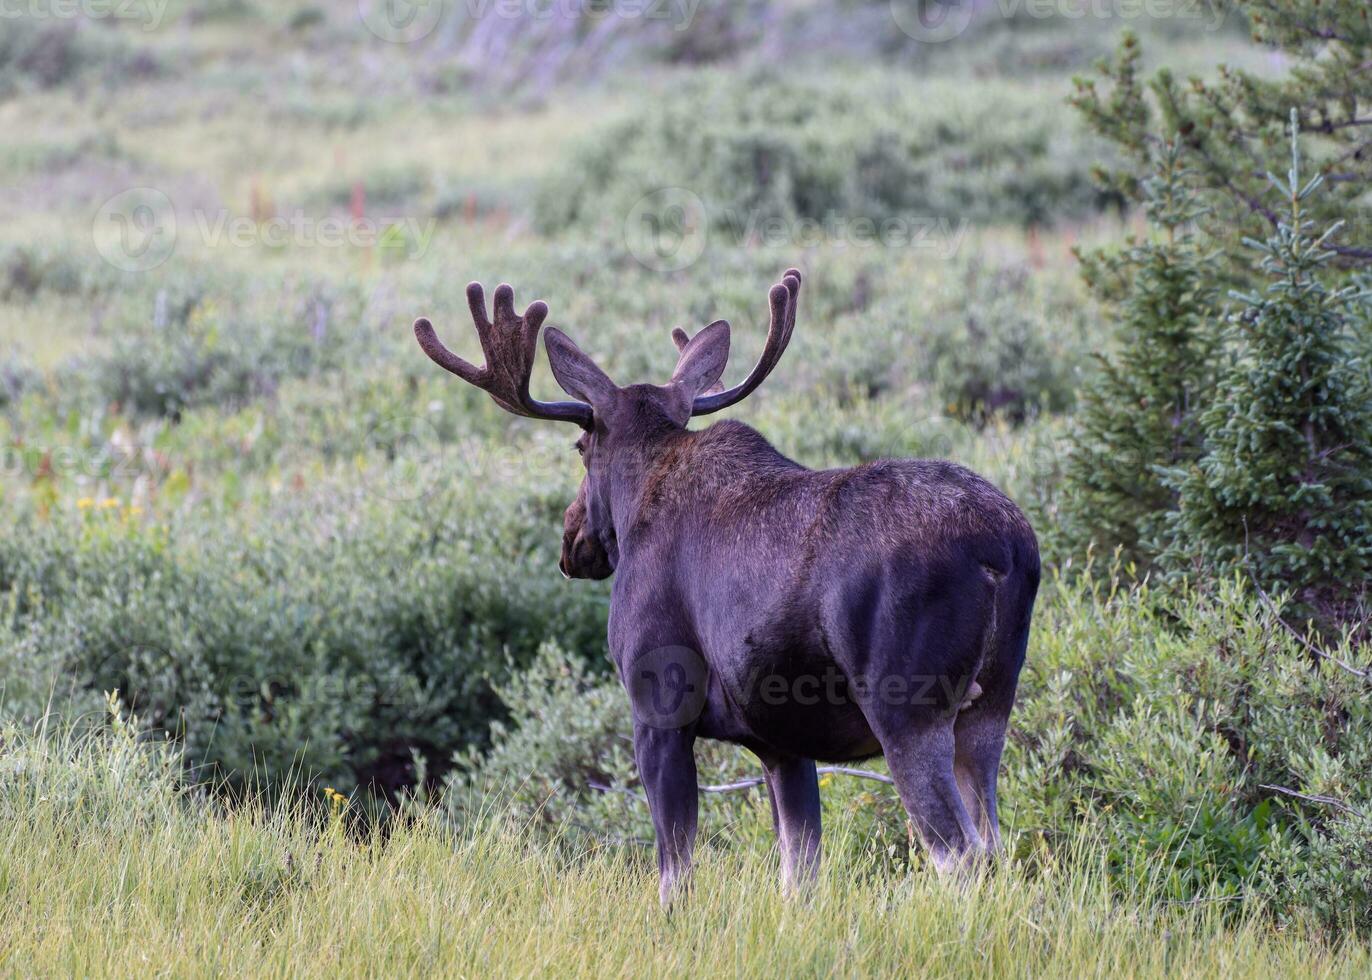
x=804 y=614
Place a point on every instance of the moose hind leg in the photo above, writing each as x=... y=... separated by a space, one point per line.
x=979 y=736
x=920 y=757
x=794 y=789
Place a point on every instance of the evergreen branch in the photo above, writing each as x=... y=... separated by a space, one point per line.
x=1254 y=205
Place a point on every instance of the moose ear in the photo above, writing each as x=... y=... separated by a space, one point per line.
x=576 y=373
x=703 y=357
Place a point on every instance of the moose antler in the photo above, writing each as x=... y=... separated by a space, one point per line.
x=782 y=298
x=509 y=345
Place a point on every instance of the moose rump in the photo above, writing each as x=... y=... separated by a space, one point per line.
x=900 y=602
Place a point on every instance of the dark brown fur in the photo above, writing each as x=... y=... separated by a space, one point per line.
x=745 y=583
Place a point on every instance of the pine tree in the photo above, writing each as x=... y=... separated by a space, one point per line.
x=1284 y=488
x=1141 y=413
x=1233 y=126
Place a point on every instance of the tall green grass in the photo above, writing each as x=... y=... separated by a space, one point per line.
x=108 y=867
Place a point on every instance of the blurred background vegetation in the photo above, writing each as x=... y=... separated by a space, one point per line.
x=235 y=491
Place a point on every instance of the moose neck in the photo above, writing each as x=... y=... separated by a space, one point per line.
x=637 y=469
x=656 y=478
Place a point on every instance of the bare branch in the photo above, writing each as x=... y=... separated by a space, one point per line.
x=753 y=781
x=1313 y=798
x=1272 y=608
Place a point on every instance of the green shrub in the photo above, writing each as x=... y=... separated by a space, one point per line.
x=192 y=346
x=16 y=376
x=974 y=341
x=336 y=640
x=389 y=187
x=1283 y=489
x=38 y=52
x=27 y=270
x=1142 y=409
x=878 y=147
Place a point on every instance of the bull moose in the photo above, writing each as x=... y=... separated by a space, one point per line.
x=803 y=614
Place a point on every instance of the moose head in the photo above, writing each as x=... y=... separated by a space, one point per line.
x=617 y=422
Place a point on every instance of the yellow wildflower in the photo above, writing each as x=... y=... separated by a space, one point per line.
x=85 y=503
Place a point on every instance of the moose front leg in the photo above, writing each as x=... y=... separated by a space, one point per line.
x=667 y=766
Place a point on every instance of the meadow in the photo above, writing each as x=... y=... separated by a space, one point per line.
x=375 y=729
x=119 y=871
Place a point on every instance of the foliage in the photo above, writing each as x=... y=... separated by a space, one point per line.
x=1233 y=128
x=16 y=376
x=38 y=52
x=1284 y=487
x=1009 y=348
x=187 y=348
x=1169 y=718
x=830 y=152
x=333 y=645
x=26 y=270
x=973 y=340
x=1141 y=413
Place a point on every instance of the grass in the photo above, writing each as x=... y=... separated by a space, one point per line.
x=106 y=868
